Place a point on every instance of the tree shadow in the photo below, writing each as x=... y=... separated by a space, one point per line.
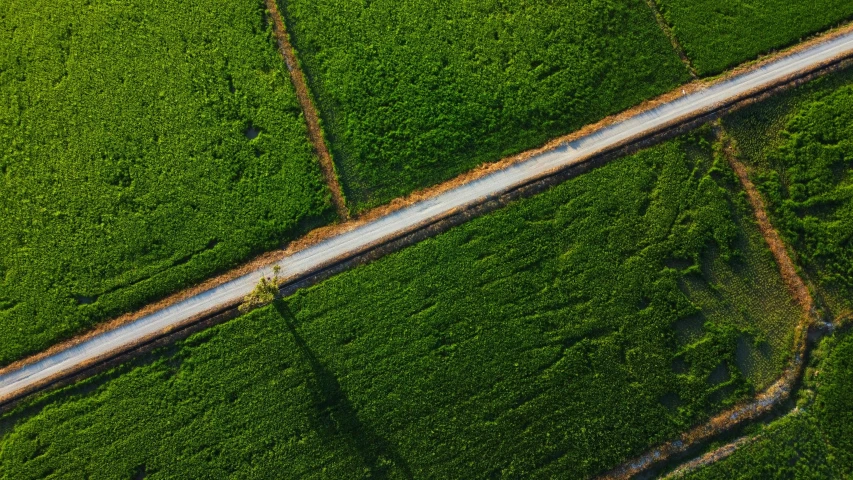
x=336 y=417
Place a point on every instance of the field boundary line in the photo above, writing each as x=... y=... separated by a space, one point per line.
x=676 y=45
x=309 y=110
x=796 y=286
x=711 y=457
x=639 y=127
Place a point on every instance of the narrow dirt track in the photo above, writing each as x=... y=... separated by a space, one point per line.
x=312 y=118
x=711 y=457
x=789 y=273
x=676 y=45
x=29 y=376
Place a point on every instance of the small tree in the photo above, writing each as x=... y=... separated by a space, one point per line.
x=264 y=292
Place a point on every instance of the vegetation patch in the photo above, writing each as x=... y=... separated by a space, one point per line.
x=415 y=93
x=536 y=341
x=143 y=147
x=717 y=34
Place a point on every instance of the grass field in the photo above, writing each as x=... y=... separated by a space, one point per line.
x=143 y=146
x=800 y=148
x=550 y=339
x=717 y=34
x=415 y=93
x=816 y=442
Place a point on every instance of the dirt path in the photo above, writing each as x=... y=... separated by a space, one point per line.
x=776 y=393
x=315 y=133
x=711 y=457
x=789 y=273
x=676 y=45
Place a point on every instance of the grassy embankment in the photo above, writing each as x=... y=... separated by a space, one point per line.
x=718 y=34
x=552 y=338
x=415 y=93
x=143 y=147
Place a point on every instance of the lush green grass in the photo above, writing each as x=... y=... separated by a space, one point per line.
x=413 y=93
x=717 y=34
x=550 y=339
x=125 y=171
x=817 y=442
x=801 y=151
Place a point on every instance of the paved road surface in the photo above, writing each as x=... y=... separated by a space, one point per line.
x=410 y=218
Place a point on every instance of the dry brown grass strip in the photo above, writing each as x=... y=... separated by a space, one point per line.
x=676 y=45
x=312 y=118
x=792 y=279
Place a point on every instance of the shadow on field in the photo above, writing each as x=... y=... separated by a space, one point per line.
x=336 y=416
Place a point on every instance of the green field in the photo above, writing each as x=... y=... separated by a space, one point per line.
x=816 y=442
x=717 y=34
x=126 y=167
x=800 y=148
x=550 y=339
x=414 y=93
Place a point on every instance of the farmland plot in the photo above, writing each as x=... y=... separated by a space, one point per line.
x=717 y=34
x=413 y=93
x=143 y=146
x=550 y=339
x=800 y=148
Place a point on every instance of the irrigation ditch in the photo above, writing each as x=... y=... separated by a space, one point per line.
x=738 y=438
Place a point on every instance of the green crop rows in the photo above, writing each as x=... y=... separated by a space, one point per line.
x=814 y=443
x=126 y=171
x=800 y=146
x=550 y=339
x=417 y=92
x=717 y=34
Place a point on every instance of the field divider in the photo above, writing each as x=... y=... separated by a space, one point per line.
x=427 y=214
x=676 y=45
x=309 y=110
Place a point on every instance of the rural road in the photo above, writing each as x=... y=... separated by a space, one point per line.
x=17 y=382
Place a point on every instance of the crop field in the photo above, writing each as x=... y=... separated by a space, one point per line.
x=552 y=338
x=415 y=93
x=800 y=147
x=817 y=441
x=717 y=34
x=143 y=147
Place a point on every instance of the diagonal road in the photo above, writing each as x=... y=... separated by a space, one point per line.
x=17 y=382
